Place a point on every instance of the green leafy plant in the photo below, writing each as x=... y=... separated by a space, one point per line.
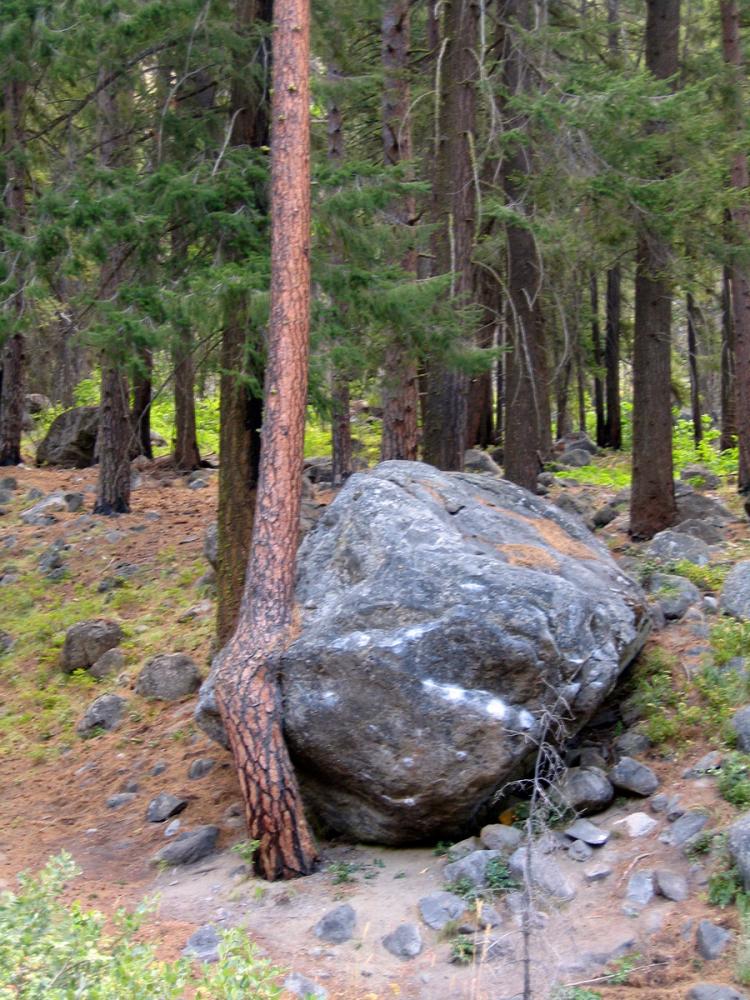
x=247 y=850
x=464 y=888
x=734 y=780
x=724 y=888
x=575 y=993
x=498 y=876
x=343 y=871
x=463 y=950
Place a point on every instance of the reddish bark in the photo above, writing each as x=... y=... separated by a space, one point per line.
x=141 y=415
x=613 y=424
x=186 y=454
x=247 y=689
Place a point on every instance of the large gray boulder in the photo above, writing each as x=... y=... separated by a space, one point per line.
x=735 y=594
x=442 y=615
x=71 y=439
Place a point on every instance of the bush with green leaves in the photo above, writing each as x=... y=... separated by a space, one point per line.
x=52 y=951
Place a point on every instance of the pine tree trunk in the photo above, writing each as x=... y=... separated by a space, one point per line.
x=186 y=454
x=695 y=396
x=528 y=434
x=247 y=688
x=596 y=342
x=652 y=506
x=141 y=415
x=480 y=429
x=740 y=180
x=400 y=390
x=13 y=354
x=241 y=404
x=728 y=391
x=454 y=211
x=613 y=425
x=564 y=425
x=342 y=430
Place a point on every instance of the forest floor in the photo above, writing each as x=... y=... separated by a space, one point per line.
x=54 y=785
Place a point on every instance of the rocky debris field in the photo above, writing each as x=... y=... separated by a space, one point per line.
x=619 y=880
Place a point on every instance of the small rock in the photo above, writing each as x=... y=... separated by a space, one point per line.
x=638 y=824
x=488 y=917
x=738 y=843
x=741 y=727
x=404 y=942
x=111 y=662
x=203 y=944
x=8 y=483
x=675 y=594
x=672 y=546
x=711 y=940
x=441 y=908
x=586 y=789
x=579 y=851
x=168 y=677
x=597 y=874
x=463 y=848
x=103 y=713
x=543 y=872
x=200 y=768
x=640 y=889
x=337 y=925
x=671 y=885
x=714 y=991
x=659 y=803
x=188 y=847
x=630 y=743
x=303 y=987
x=686 y=829
x=700 y=477
x=632 y=776
x=735 y=593
x=158 y=768
x=707 y=532
x=473 y=868
x=588 y=832
x=171 y=828
x=73 y=502
x=42 y=513
x=498 y=837
x=86 y=641
x=121 y=799
x=709 y=762
x=163 y=806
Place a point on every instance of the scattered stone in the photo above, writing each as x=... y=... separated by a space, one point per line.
x=632 y=776
x=158 y=768
x=42 y=513
x=544 y=873
x=211 y=544
x=487 y=916
x=103 y=713
x=586 y=790
x=671 y=546
x=638 y=824
x=34 y=494
x=597 y=874
x=741 y=727
x=51 y=559
x=464 y=847
x=6 y=642
x=498 y=837
x=337 y=925
x=579 y=851
x=589 y=833
x=707 y=533
x=71 y=439
x=73 y=502
x=36 y=402
x=200 y=610
x=130 y=786
x=111 y=662
x=630 y=743
x=640 y=889
x=171 y=828
x=711 y=940
x=671 y=885
x=714 y=991
x=188 y=847
x=735 y=593
x=738 y=843
x=5 y=496
x=686 y=829
x=121 y=799
x=700 y=477
x=404 y=942
x=9 y=483
x=86 y=641
x=203 y=944
x=197 y=484
x=604 y=515
x=575 y=458
x=674 y=594
x=692 y=506
x=168 y=677
x=163 y=807
x=472 y=868
x=709 y=762
x=476 y=460
x=200 y=768
x=441 y=908
x=303 y=987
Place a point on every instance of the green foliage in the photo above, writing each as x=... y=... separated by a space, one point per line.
x=498 y=876
x=247 y=850
x=463 y=950
x=724 y=888
x=575 y=993
x=464 y=888
x=734 y=780
x=707 y=578
x=58 y=952
x=730 y=638
x=343 y=872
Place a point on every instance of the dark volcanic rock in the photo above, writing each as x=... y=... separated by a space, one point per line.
x=71 y=439
x=446 y=611
x=168 y=677
x=86 y=642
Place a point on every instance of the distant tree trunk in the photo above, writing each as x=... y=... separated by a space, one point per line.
x=186 y=454
x=596 y=342
x=454 y=209
x=141 y=415
x=732 y=45
x=528 y=435
x=115 y=430
x=13 y=355
x=728 y=391
x=652 y=506
x=400 y=387
x=613 y=425
x=695 y=396
x=500 y=380
x=247 y=688
x=241 y=403
x=480 y=430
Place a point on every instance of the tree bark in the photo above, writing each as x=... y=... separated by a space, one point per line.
x=695 y=395
x=596 y=343
x=186 y=453
x=652 y=506
x=613 y=425
x=241 y=404
x=141 y=415
x=454 y=212
x=728 y=391
x=528 y=435
x=247 y=688
x=13 y=354
x=740 y=271
x=480 y=421
x=400 y=387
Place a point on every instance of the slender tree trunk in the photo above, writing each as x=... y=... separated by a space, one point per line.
x=247 y=688
x=115 y=430
x=480 y=430
x=241 y=403
x=613 y=426
x=454 y=208
x=740 y=180
x=596 y=342
x=728 y=390
x=528 y=435
x=400 y=387
x=141 y=415
x=502 y=340
x=695 y=395
x=652 y=506
x=186 y=454
x=13 y=355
